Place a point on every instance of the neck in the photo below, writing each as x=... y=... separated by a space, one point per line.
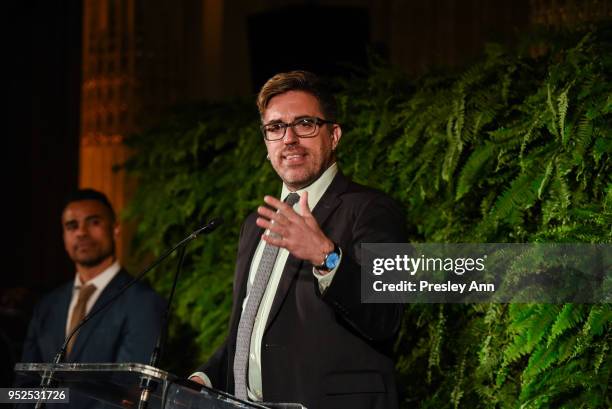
x=294 y=188
x=87 y=273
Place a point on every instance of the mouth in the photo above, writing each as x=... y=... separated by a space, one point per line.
x=294 y=158
x=84 y=246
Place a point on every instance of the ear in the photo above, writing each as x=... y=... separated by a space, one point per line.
x=116 y=230
x=336 y=134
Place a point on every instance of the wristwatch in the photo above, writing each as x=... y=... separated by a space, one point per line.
x=331 y=260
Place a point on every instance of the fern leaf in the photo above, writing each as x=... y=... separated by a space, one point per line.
x=471 y=170
x=541 y=359
x=546 y=178
x=599 y=317
x=520 y=195
x=562 y=104
x=569 y=317
x=436 y=342
x=455 y=144
x=552 y=110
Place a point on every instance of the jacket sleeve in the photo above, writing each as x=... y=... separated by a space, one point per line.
x=379 y=220
x=31 y=351
x=216 y=368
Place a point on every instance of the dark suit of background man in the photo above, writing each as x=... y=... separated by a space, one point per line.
x=127 y=330
x=313 y=341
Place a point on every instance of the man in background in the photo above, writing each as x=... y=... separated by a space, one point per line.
x=298 y=330
x=127 y=330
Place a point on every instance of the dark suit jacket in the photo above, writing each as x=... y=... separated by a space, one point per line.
x=330 y=350
x=125 y=332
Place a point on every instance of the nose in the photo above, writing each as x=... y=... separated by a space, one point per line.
x=82 y=230
x=290 y=137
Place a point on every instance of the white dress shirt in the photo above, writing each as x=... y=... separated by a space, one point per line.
x=315 y=192
x=100 y=281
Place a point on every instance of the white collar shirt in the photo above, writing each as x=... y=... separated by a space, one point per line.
x=315 y=192
x=100 y=281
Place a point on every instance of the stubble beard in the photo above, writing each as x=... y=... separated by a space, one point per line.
x=95 y=260
x=308 y=178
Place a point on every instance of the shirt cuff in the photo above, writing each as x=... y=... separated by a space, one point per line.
x=325 y=280
x=203 y=377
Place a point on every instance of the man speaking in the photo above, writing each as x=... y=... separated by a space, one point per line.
x=298 y=331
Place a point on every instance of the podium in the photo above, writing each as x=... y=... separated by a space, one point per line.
x=118 y=385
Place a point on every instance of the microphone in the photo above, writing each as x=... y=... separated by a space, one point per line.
x=205 y=229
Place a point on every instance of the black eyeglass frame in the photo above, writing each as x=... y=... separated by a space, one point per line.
x=317 y=122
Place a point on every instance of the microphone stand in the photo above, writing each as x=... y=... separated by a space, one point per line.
x=146 y=386
x=47 y=378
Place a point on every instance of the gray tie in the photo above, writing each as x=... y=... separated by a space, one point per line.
x=247 y=319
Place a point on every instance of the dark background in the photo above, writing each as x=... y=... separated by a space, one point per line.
x=40 y=159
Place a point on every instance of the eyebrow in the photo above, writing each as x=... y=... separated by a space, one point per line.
x=88 y=218
x=297 y=118
x=275 y=121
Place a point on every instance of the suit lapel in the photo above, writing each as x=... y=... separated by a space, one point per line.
x=327 y=204
x=84 y=333
x=60 y=315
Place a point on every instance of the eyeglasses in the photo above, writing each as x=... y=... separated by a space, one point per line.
x=305 y=127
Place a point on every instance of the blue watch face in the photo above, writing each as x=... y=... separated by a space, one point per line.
x=332 y=260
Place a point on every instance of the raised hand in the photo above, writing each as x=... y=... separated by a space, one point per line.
x=299 y=234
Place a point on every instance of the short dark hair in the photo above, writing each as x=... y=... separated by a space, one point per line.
x=89 y=194
x=298 y=81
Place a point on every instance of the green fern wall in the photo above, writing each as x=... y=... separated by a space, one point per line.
x=511 y=149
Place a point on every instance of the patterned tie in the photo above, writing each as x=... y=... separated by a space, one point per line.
x=247 y=319
x=78 y=312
